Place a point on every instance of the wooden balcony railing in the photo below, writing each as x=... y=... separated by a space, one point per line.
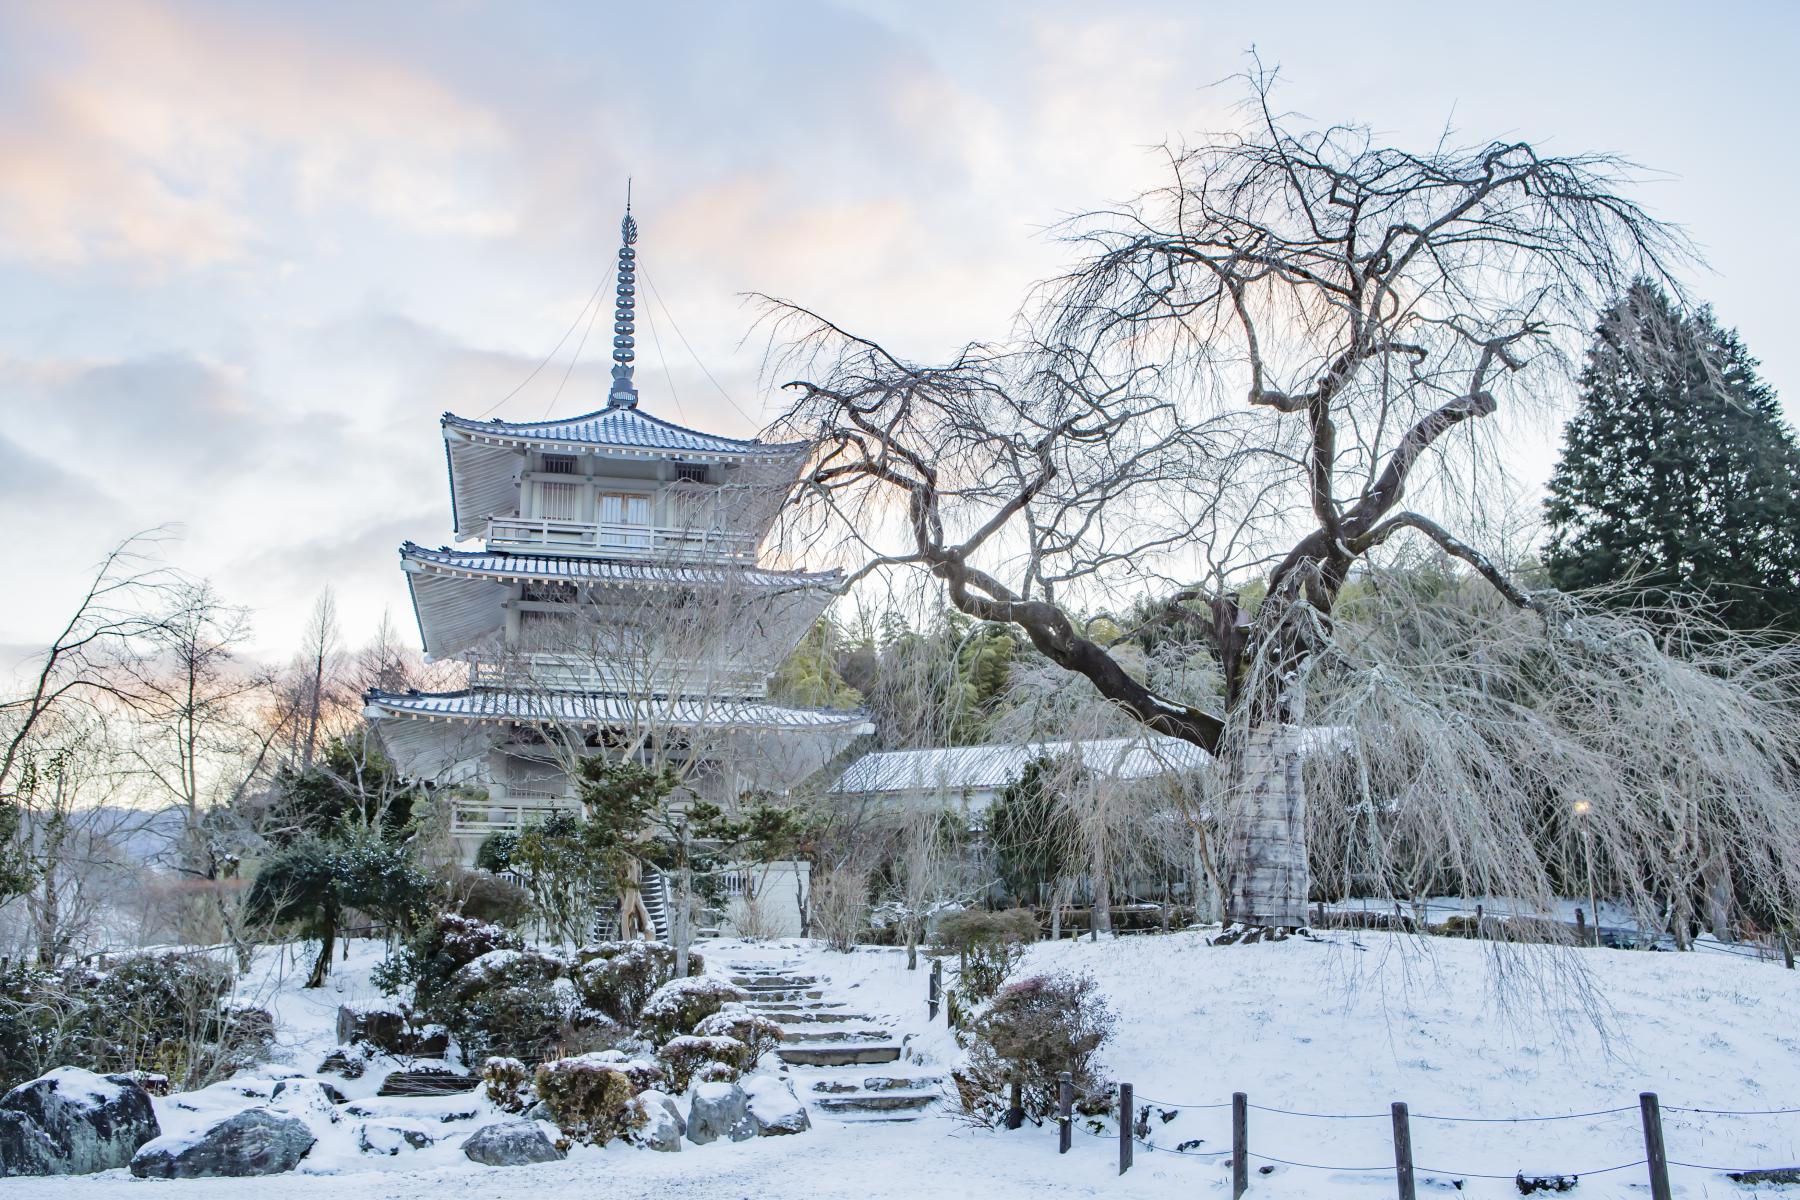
x=618 y=541
x=559 y=672
x=510 y=811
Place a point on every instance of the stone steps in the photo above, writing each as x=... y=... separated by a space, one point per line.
x=828 y=1044
x=844 y=1055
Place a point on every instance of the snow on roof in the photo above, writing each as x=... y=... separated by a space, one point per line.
x=989 y=768
x=618 y=427
x=484 y=704
x=494 y=565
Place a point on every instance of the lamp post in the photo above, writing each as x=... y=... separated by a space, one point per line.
x=1587 y=853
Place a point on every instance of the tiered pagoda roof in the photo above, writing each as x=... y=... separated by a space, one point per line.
x=460 y=597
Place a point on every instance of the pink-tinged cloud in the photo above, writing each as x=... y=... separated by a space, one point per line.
x=161 y=136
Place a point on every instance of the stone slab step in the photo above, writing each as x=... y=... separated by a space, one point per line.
x=755 y=982
x=802 y=1017
x=883 y=1102
x=855 y=1082
x=837 y=1056
x=776 y=1006
x=834 y=1035
x=784 y=993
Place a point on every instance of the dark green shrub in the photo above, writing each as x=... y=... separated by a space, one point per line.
x=618 y=978
x=711 y=1058
x=681 y=1004
x=989 y=946
x=1034 y=1029
x=592 y=1101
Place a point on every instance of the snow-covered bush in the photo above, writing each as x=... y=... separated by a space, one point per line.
x=165 y=1013
x=1033 y=1029
x=759 y=1034
x=680 y=1004
x=710 y=1059
x=618 y=978
x=507 y=1083
x=988 y=946
x=592 y=1100
x=425 y=965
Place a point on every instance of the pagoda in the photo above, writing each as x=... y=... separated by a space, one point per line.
x=617 y=605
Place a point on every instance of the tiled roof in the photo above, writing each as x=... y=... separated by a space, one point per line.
x=621 y=427
x=494 y=565
x=489 y=705
x=990 y=768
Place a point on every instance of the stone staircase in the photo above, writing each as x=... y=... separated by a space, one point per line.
x=831 y=1052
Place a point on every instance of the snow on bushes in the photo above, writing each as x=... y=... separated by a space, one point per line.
x=507 y=1084
x=759 y=1034
x=711 y=1059
x=425 y=966
x=680 y=1004
x=165 y=1013
x=591 y=1099
x=618 y=978
x=1033 y=1029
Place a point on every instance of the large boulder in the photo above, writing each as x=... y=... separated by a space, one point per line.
x=72 y=1122
x=720 y=1110
x=253 y=1142
x=510 y=1144
x=774 y=1109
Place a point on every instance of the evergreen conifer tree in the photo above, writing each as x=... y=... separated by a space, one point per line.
x=1679 y=482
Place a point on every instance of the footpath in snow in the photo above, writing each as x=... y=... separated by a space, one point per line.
x=1340 y=1027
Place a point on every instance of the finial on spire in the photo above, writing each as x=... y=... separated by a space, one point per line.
x=624 y=391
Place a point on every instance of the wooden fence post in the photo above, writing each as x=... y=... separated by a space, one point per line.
x=1065 y=1106
x=936 y=988
x=1787 y=950
x=1654 y=1154
x=1015 y=1111
x=1125 y=1116
x=1240 y=1144
x=1403 y=1164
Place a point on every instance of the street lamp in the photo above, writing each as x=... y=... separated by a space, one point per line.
x=1587 y=852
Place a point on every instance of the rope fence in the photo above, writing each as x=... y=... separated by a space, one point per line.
x=1133 y=1131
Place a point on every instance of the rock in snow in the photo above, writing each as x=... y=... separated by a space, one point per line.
x=774 y=1109
x=664 y=1128
x=373 y=1138
x=72 y=1122
x=719 y=1110
x=510 y=1144
x=254 y=1142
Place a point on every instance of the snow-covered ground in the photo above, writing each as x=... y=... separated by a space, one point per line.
x=1340 y=1026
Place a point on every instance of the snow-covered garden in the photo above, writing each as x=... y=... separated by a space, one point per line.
x=1467 y=1033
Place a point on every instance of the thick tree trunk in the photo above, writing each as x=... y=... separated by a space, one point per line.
x=322 y=964
x=1266 y=854
x=1717 y=880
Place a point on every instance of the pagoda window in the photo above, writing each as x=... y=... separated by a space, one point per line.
x=561 y=464
x=690 y=472
x=559 y=501
x=624 y=508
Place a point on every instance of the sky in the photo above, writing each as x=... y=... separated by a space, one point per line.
x=249 y=253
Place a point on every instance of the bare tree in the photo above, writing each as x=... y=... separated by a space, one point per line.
x=1246 y=375
x=202 y=742
x=316 y=670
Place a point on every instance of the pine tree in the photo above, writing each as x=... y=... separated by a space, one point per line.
x=1679 y=481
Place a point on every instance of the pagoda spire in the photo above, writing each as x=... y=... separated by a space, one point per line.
x=624 y=391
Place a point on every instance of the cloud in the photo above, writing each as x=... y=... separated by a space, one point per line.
x=136 y=131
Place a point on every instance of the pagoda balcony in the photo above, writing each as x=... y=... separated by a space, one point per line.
x=573 y=673
x=507 y=810
x=547 y=535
